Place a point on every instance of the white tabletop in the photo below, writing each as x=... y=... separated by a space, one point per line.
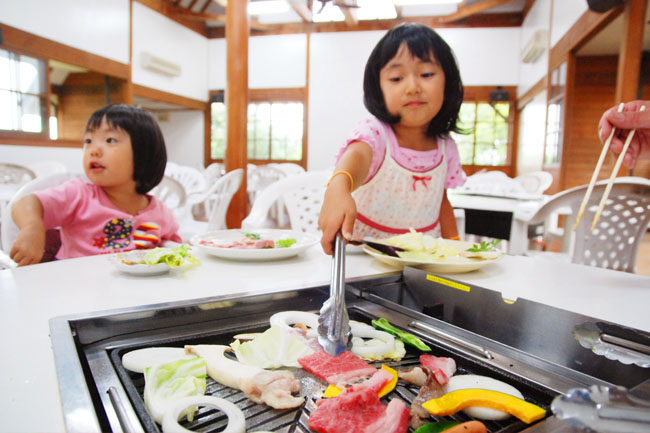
x=30 y=296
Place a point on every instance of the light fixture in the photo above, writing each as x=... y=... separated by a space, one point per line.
x=268 y=7
x=425 y=2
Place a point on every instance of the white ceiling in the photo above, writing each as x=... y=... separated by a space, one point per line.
x=608 y=40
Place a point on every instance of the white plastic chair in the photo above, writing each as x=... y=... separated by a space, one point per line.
x=9 y=230
x=302 y=194
x=191 y=178
x=47 y=168
x=217 y=200
x=535 y=182
x=213 y=172
x=615 y=241
x=171 y=192
x=289 y=168
x=14 y=174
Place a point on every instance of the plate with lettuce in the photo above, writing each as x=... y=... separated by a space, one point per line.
x=436 y=254
x=258 y=244
x=156 y=261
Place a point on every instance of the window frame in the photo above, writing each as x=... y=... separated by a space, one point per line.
x=290 y=94
x=32 y=45
x=481 y=94
x=46 y=97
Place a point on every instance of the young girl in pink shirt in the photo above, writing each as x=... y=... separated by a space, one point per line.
x=393 y=174
x=124 y=157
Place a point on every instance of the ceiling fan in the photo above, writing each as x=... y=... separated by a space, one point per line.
x=339 y=3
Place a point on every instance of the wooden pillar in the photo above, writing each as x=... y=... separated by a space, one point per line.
x=236 y=103
x=629 y=60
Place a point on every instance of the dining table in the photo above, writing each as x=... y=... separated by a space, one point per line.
x=31 y=296
x=498 y=216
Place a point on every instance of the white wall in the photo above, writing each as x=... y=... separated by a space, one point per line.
x=565 y=14
x=485 y=56
x=158 y=35
x=184 y=132
x=97 y=26
x=273 y=62
x=538 y=18
x=530 y=153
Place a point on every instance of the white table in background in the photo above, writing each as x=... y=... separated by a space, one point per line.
x=522 y=211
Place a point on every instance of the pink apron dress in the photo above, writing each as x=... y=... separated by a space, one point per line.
x=396 y=199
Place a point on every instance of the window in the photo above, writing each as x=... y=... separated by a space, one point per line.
x=487 y=143
x=275 y=131
x=555 y=117
x=23 y=93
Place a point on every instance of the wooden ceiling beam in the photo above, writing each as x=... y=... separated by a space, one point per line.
x=205 y=6
x=196 y=16
x=350 y=15
x=466 y=11
x=301 y=9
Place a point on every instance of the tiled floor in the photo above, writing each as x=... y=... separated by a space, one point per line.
x=643 y=257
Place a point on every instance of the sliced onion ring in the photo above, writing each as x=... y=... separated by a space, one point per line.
x=285 y=319
x=236 y=420
x=362 y=330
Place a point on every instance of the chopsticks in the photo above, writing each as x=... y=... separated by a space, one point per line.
x=610 y=181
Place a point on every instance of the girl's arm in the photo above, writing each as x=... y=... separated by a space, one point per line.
x=28 y=247
x=447 y=219
x=339 y=210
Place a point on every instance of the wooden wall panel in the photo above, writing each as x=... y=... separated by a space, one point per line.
x=594 y=90
x=82 y=94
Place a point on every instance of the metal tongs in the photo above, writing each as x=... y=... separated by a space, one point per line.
x=333 y=322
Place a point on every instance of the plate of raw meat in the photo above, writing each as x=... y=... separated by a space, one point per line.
x=259 y=244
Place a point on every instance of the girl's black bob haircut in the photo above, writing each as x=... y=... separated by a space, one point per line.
x=149 y=153
x=421 y=42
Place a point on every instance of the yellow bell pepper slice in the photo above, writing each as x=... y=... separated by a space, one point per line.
x=333 y=391
x=455 y=401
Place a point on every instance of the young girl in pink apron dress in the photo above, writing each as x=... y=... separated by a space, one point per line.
x=392 y=174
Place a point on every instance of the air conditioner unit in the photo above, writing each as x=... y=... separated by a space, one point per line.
x=157 y=64
x=535 y=46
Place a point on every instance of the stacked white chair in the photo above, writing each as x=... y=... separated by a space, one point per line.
x=303 y=196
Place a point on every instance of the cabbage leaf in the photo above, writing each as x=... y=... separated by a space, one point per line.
x=174 y=257
x=274 y=348
x=167 y=382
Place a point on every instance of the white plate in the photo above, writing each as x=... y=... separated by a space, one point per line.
x=139 y=269
x=448 y=265
x=226 y=237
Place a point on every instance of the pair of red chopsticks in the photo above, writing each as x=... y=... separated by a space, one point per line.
x=617 y=167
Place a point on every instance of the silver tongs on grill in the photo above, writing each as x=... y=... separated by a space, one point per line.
x=333 y=322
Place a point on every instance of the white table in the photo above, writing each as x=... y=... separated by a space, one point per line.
x=30 y=296
x=522 y=211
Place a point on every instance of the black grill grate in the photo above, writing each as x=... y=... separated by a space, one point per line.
x=262 y=417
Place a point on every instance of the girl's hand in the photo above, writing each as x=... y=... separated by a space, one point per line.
x=29 y=245
x=339 y=211
x=624 y=122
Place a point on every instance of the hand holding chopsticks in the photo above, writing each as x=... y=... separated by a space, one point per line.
x=615 y=170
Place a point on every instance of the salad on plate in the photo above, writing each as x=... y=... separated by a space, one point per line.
x=437 y=254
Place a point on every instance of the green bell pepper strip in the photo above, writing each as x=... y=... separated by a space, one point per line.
x=436 y=427
x=383 y=325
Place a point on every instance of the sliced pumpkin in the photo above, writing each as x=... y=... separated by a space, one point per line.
x=333 y=391
x=455 y=401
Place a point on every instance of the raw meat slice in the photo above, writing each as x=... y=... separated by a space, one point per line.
x=442 y=368
x=358 y=409
x=336 y=369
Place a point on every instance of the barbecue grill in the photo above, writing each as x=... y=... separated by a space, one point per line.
x=525 y=344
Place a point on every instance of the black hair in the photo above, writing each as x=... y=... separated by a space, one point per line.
x=421 y=42
x=149 y=153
